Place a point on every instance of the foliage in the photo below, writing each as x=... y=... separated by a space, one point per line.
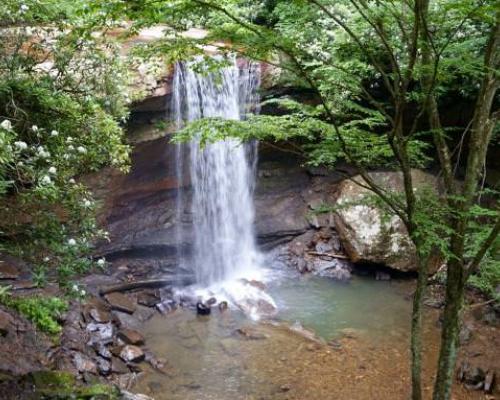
x=375 y=68
x=63 y=98
x=44 y=312
x=487 y=280
x=64 y=385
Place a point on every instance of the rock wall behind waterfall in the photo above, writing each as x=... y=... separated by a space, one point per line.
x=139 y=208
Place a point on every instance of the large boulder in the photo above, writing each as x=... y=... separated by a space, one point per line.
x=367 y=234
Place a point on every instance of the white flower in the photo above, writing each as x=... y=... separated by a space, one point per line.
x=46 y=180
x=52 y=170
x=101 y=262
x=24 y=8
x=46 y=259
x=34 y=128
x=75 y=287
x=87 y=203
x=69 y=139
x=81 y=149
x=20 y=163
x=82 y=292
x=54 y=133
x=72 y=242
x=72 y=181
x=6 y=124
x=71 y=147
x=21 y=145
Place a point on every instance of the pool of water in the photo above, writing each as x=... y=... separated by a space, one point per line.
x=378 y=308
x=227 y=356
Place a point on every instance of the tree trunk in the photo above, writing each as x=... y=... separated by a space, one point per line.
x=455 y=285
x=482 y=128
x=416 y=331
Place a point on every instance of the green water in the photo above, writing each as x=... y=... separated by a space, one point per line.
x=208 y=358
x=378 y=308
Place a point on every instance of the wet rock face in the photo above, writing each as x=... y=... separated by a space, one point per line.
x=139 y=208
x=366 y=233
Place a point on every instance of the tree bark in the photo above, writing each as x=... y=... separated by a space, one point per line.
x=455 y=286
x=482 y=127
x=416 y=330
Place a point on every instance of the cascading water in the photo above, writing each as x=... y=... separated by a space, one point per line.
x=221 y=175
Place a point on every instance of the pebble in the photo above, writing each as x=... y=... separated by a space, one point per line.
x=130 y=353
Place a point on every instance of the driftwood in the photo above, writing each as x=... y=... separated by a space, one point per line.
x=146 y=284
x=332 y=255
x=476 y=305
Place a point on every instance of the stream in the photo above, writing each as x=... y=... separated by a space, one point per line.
x=329 y=340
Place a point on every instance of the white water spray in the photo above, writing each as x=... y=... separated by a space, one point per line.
x=222 y=178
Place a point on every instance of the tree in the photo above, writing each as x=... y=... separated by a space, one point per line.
x=379 y=70
x=61 y=105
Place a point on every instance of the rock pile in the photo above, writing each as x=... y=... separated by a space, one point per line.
x=103 y=338
x=319 y=252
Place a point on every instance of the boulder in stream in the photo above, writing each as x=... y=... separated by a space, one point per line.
x=366 y=233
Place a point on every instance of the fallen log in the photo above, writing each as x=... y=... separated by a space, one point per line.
x=332 y=255
x=145 y=284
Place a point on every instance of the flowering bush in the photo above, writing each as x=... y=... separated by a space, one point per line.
x=62 y=101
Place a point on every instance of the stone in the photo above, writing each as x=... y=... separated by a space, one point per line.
x=100 y=315
x=130 y=353
x=489 y=381
x=367 y=235
x=102 y=333
x=84 y=363
x=6 y=322
x=135 y=368
x=259 y=306
x=24 y=285
x=133 y=396
x=102 y=351
x=156 y=363
x=302 y=266
x=165 y=307
x=120 y=302
x=74 y=338
x=202 y=309
x=136 y=320
x=465 y=334
x=130 y=336
x=148 y=299
x=103 y=366
x=474 y=376
x=339 y=270
x=462 y=370
x=257 y=284
x=211 y=301
x=118 y=366
x=251 y=333
x=8 y=271
x=285 y=388
x=323 y=247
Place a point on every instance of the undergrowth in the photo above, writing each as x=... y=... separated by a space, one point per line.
x=44 y=312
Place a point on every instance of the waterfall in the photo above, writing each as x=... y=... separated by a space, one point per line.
x=221 y=174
